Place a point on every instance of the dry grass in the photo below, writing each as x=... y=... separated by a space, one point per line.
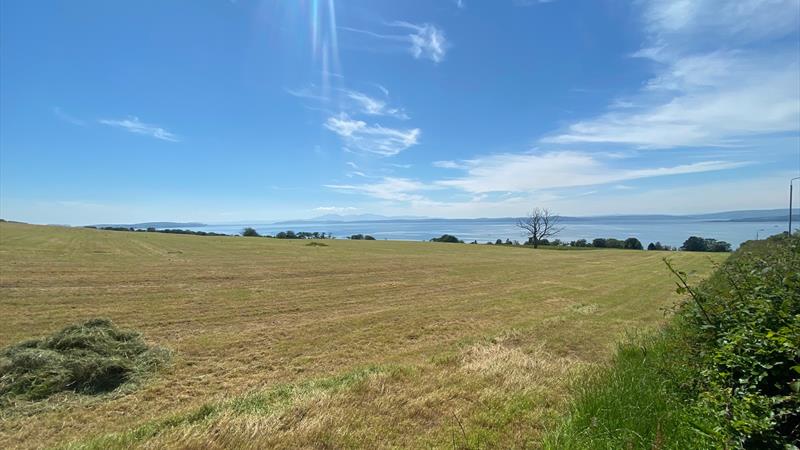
x=379 y=344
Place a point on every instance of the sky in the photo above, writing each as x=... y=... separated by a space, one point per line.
x=224 y=111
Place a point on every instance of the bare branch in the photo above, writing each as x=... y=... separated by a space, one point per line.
x=540 y=224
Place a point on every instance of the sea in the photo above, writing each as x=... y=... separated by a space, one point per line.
x=667 y=230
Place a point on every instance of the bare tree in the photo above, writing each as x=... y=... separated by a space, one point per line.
x=540 y=224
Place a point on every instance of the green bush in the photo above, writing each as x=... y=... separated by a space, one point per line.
x=448 y=238
x=88 y=358
x=250 y=232
x=744 y=324
x=724 y=374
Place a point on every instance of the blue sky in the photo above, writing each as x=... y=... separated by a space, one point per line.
x=223 y=111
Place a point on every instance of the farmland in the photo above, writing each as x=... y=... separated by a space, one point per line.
x=371 y=343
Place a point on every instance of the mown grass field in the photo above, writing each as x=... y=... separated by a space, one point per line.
x=360 y=343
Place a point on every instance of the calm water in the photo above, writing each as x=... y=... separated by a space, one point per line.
x=667 y=231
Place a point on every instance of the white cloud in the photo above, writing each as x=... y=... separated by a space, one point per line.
x=527 y=172
x=447 y=165
x=134 y=125
x=376 y=139
x=389 y=188
x=424 y=41
x=365 y=104
x=427 y=41
x=704 y=92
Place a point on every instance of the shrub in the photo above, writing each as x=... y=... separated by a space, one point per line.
x=250 y=232
x=724 y=374
x=744 y=325
x=447 y=238
x=89 y=358
x=633 y=244
x=599 y=243
x=699 y=244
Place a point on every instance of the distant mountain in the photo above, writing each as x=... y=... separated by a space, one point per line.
x=752 y=215
x=155 y=225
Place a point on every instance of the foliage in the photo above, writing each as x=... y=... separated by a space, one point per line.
x=156 y=230
x=724 y=374
x=250 y=232
x=302 y=235
x=90 y=358
x=744 y=325
x=632 y=244
x=698 y=244
x=580 y=243
x=658 y=246
x=448 y=238
x=361 y=237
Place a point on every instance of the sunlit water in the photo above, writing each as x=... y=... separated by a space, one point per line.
x=667 y=231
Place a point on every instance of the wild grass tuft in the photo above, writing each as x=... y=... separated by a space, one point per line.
x=88 y=358
x=632 y=403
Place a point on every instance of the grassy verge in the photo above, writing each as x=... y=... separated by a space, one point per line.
x=724 y=374
x=635 y=402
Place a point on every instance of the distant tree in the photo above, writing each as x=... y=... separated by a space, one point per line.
x=474 y=242
x=695 y=244
x=717 y=246
x=615 y=243
x=357 y=237
x=633 y=244
x=508 y=242
x=250 y=232
x=651 y=246
x=447 y=238
x=151 y=229
x=540 y=224
x=580 y=243
x=368 y=238
x=498 y=242
x=599 y=243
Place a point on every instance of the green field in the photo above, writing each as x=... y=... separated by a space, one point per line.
x=360 y=343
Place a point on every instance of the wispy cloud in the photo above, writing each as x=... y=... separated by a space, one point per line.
x=424 y=41
x=134 y=125
x=375 y=139
x=68 y=117
x=528 y=172
x=308 y=93
x=388 y=188
x=372 y=106
x=447 y=165
x=724 y=75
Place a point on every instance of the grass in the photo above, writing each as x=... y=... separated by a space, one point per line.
x=475 y=345
x=93 y=357
x=633 y=403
